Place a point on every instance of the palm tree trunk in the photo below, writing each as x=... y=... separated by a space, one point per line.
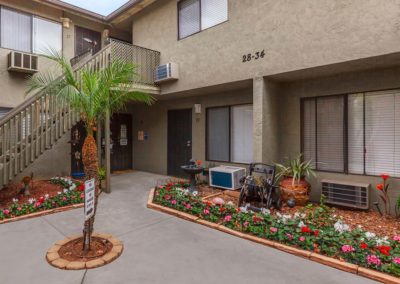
x=90 y=162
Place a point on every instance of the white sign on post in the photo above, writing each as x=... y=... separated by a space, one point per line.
x=89 y=198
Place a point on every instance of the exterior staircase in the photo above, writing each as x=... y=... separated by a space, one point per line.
x=34 y=126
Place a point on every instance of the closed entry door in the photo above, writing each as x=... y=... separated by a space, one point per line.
x=121 y=140
x=179 y=140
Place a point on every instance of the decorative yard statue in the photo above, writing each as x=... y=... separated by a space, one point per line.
x=26 y=182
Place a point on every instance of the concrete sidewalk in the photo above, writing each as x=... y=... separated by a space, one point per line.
x=158 y=248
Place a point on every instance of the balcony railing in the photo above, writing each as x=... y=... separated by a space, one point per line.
x=144 y=59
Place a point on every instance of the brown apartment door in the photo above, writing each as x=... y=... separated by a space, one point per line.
x=86 y=39
x=179 y=140
x=121 y=139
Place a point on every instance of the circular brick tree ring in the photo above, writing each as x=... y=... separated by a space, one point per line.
x=56 y=254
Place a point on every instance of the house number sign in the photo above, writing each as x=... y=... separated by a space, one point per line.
x=253 y=56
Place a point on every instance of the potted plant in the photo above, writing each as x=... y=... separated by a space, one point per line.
x=293 y=184
x=102 y=177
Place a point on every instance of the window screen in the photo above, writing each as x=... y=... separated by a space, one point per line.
x=47 y=36
x=218 y=134
x=189 y=17
x=16 y=30
x=213 y=12
x=197 y=15
x=242 y=134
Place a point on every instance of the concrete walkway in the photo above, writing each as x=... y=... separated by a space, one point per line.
x=158 y=248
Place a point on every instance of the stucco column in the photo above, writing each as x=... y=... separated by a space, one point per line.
x=265 y=121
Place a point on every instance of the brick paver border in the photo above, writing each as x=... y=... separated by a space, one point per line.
x=329 y=261
x=54 y=259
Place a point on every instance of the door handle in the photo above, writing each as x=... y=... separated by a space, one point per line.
x=188 y=143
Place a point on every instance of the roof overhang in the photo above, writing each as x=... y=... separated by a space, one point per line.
x=125 y=11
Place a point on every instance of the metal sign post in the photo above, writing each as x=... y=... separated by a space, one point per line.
x=90 y=188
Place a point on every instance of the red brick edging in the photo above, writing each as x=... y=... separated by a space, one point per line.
x=42 y=213
x=329 y=261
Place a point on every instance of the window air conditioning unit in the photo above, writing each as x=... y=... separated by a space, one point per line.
x=167 y=72
x=347 y=194
x=226 y=177
x=22 y=62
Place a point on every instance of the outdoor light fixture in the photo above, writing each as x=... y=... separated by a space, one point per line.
x=66 y=22
x=197 y=108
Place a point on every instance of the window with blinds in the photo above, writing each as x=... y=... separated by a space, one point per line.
x=230 y=134
x=34 y=34
x=197 y=15
x=365 y=139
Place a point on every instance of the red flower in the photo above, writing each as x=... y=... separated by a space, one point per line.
x=199 y=162
x=257 y=219
x=81 y=187
x=385 y=250
x=364 y=245
x=306 y=230
x=167 y=197
x=41 y=199
x=316 y=233
x=385 y=176
x=379 y=186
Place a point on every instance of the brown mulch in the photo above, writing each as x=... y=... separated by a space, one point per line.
x=205 y=190
x=370 y=221
x=72 y=251
x=40 y=188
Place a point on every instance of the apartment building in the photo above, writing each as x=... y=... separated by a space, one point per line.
x=256 y=80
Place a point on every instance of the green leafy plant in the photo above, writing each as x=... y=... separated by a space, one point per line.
x=102 y=174
x=296 y=168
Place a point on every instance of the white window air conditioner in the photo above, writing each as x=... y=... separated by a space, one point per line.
x=226 y=177
x=166 y=72
x=22 y=62
x=347 y=194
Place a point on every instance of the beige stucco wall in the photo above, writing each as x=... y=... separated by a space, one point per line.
x=294 y=34
x=151 y=155
x=289 y=130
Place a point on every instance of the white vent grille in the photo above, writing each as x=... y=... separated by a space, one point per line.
x=166 y=72
x=347 y=194
x=22 y=62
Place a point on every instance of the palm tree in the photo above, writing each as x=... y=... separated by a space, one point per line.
x=92 y=93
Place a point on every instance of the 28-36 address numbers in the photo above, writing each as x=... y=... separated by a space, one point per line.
x=253 y=56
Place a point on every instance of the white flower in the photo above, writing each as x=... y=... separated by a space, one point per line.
x=301 y=224
x=46 y=196
x=195 y=193
x=230 y=203
x=341 y=227
x=359 y=226
x=65 y=190
x=243 y=209
x=31 y=200
x=15 y=200
x=265 y=211
x=382 y=241
x=369 y=235
x=58 y=192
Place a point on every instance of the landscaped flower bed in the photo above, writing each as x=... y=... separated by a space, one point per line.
x=71 y=193
x=319 y=231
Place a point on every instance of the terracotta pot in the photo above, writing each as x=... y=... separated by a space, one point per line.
x=299 y=191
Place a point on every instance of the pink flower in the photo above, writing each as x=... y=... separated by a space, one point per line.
x=347 y=248
x=173 y=202
x=82 y=195
x=396 y=238
x=64 y=198
x=206 y=211
x=273 y=230
x=290 y=237
x=6 y=211
x=245 y=224
x=188 y=206
x=302 y=239
x=396 y=260
x=38 y=204
x=19 y=208
x=373 y=260
x=227 y=218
